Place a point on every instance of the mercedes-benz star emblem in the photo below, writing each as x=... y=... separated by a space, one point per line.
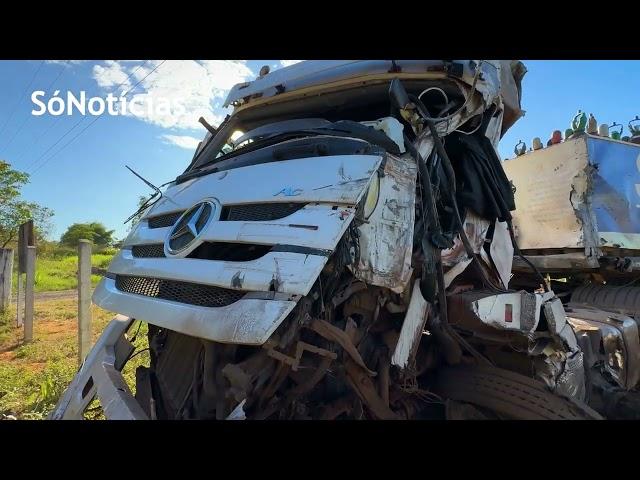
x=188 y=228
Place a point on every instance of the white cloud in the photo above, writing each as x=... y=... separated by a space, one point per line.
x=287 y=63
x=66 y=63
x=111 y=75
x=196 y=85
x=183 y=141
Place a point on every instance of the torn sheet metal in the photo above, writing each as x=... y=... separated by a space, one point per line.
x=340 y=181
x=319 y=75
x=476 y=229
x=455 y=259
x=583 y=193
x=412 y=328
x=511 y=74
x=386 y=239
x=337 y=187
x=562 y=372
x=557 y=323
x=249 y=321
x=616 y=191
x=616 y=342
x=392 y=129
x=99 y=376
x=501 y=251
x=294 y=273
x=518 y=311
x=551 y=185
x=571 y=382
x=238 y=412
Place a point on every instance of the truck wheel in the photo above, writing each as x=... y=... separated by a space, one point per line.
x=510 y=394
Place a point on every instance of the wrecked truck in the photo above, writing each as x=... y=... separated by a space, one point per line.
x=340 y=247
x=578 y=222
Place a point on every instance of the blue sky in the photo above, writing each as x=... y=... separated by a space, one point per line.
x=87 y=180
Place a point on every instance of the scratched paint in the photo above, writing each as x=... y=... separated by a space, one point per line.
x=583 y=193
x=386 y=240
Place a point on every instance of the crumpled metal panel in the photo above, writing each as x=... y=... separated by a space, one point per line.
x=511 y=75
x=571 y=382
x=455 y=258
x=99 y=376
x=582 y=193
x=558 y=325
x=386 y=239
x=478 y=310
x=319 y=73
x=332 y=178
x=292 y=273
x=615 y=196
x=332 y=186
x=476 y=229
x=249 y=321
x=501 y=251
x=617 y=335
x=412 y=327
x=551 y=188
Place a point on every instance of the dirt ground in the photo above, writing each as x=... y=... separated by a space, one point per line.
x=34 y=375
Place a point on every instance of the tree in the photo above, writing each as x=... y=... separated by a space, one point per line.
x=15 y=211
x=94 y=231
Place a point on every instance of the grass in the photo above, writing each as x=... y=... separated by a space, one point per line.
x=33 y=376
x=60 y=273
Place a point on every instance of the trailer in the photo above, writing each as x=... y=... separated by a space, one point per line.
x=578 y=206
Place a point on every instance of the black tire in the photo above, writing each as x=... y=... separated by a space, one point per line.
x=510 y=394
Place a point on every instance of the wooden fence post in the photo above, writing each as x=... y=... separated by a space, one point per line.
x=29 y=294
x=84 y=299
x=6 y=270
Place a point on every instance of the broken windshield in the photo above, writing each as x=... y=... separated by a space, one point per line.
x=276 y=132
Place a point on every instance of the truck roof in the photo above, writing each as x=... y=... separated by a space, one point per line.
x=311 y=76
x=316 y=72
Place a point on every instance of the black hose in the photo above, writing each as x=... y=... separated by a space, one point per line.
x=450 y=174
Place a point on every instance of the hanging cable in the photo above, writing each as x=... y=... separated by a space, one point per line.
x=82 y=119
x=15 y=134
x=54 y=123
x=20 y=97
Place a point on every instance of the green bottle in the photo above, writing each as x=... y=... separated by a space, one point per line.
x=579 y=122
x=634 y=126
x=520 y=151
x=567 y=133
x=615 y=134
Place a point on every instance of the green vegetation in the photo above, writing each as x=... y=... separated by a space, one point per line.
x=15 y=211
x=59 y=271
x=94 y=231
x=34 y=376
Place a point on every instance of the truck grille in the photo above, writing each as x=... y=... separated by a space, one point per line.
x=260 y=212
x=164 y=220
x=230 y=252
x=176 y=291
x=155 y=250
x=255 y=212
